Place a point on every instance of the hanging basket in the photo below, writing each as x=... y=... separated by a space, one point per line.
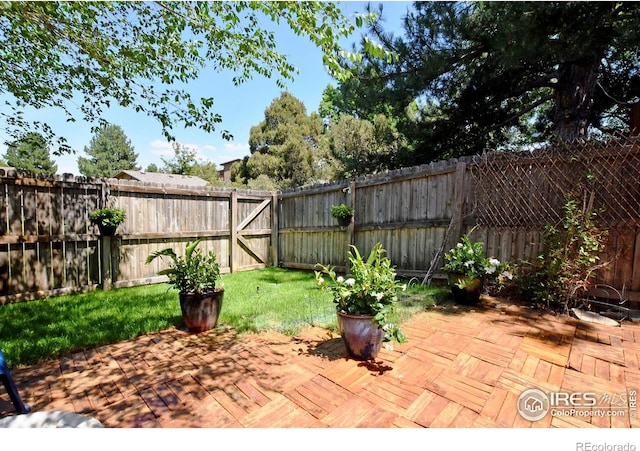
x=344 y=221
x=107 y=230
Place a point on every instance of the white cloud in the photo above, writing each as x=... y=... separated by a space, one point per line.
x=231 y=151
x=160 y=147
x=228 y=152
x=237 y=147
x=206 y=152
x=164 y=148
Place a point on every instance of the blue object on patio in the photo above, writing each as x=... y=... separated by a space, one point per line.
x=10 y=385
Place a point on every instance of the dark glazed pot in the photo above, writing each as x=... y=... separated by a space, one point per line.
x=361 y=336
x=200 y=311
x=344 y=221
x=471 y=289
x=107 y=230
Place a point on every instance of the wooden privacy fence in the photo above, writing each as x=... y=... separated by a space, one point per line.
x=506 y=198
x=236 y=225
x=409 y=211
x=512 y=196
x=49 y=247
x=46 y=244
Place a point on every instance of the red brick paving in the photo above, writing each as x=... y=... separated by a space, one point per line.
x=461 y=368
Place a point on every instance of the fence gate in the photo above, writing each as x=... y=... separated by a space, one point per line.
x=251 y=231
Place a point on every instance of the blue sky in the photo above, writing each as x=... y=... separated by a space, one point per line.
x=241 y=107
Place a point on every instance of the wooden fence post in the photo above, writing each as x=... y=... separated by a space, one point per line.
x=105 y=243
x=274 y=229
x=233 y=230
x=352 y=224
x=351 y=229
x=458 y=207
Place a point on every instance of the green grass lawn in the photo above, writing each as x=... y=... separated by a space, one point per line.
x=270 y=299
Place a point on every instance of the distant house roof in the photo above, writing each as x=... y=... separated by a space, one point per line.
x=161 y=179
x=228 y=164
x=225 y=172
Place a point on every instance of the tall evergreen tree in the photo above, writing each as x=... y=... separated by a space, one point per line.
x=31 y=154
x=110 y=152
x=484 y=73
x=287 y=146
x=364 y=147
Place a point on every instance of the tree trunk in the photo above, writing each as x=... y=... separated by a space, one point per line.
x=574 y=97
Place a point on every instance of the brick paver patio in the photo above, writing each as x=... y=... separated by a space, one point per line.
x=460 y=368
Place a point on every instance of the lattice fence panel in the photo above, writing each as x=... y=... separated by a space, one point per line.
x=529 y=188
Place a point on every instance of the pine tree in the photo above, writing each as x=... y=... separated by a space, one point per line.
x=31 y=154
x=498 y=75
x=110 y=151
x=287 y=146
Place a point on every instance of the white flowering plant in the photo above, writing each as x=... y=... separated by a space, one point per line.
x=370 y=288
x=468 y=259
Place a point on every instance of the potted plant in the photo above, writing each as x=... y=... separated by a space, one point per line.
x=467 y=269
x=195 y=276
x=107 y=219
x=343 y=214
x=364 y=300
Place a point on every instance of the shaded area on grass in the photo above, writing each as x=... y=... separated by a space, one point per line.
x=43 y=329
x=269 y=299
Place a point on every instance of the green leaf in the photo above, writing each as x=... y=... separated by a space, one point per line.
x=191 y=247
x=134 y=54
x=161 y=253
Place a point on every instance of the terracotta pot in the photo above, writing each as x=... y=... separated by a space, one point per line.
x=200 y=311
x=361 y=336
x=471 y=289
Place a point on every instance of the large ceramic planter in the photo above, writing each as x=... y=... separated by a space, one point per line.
x=200 y=311
x=466 y=290
x=361 y=336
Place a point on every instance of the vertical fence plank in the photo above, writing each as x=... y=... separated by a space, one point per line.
x=459 y=192
x=107 y=277
x=635 y=268
x=352 y=226
x=233 y=231
x=275 y=259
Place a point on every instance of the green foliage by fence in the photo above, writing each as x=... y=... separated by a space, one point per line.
x=567 y=267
